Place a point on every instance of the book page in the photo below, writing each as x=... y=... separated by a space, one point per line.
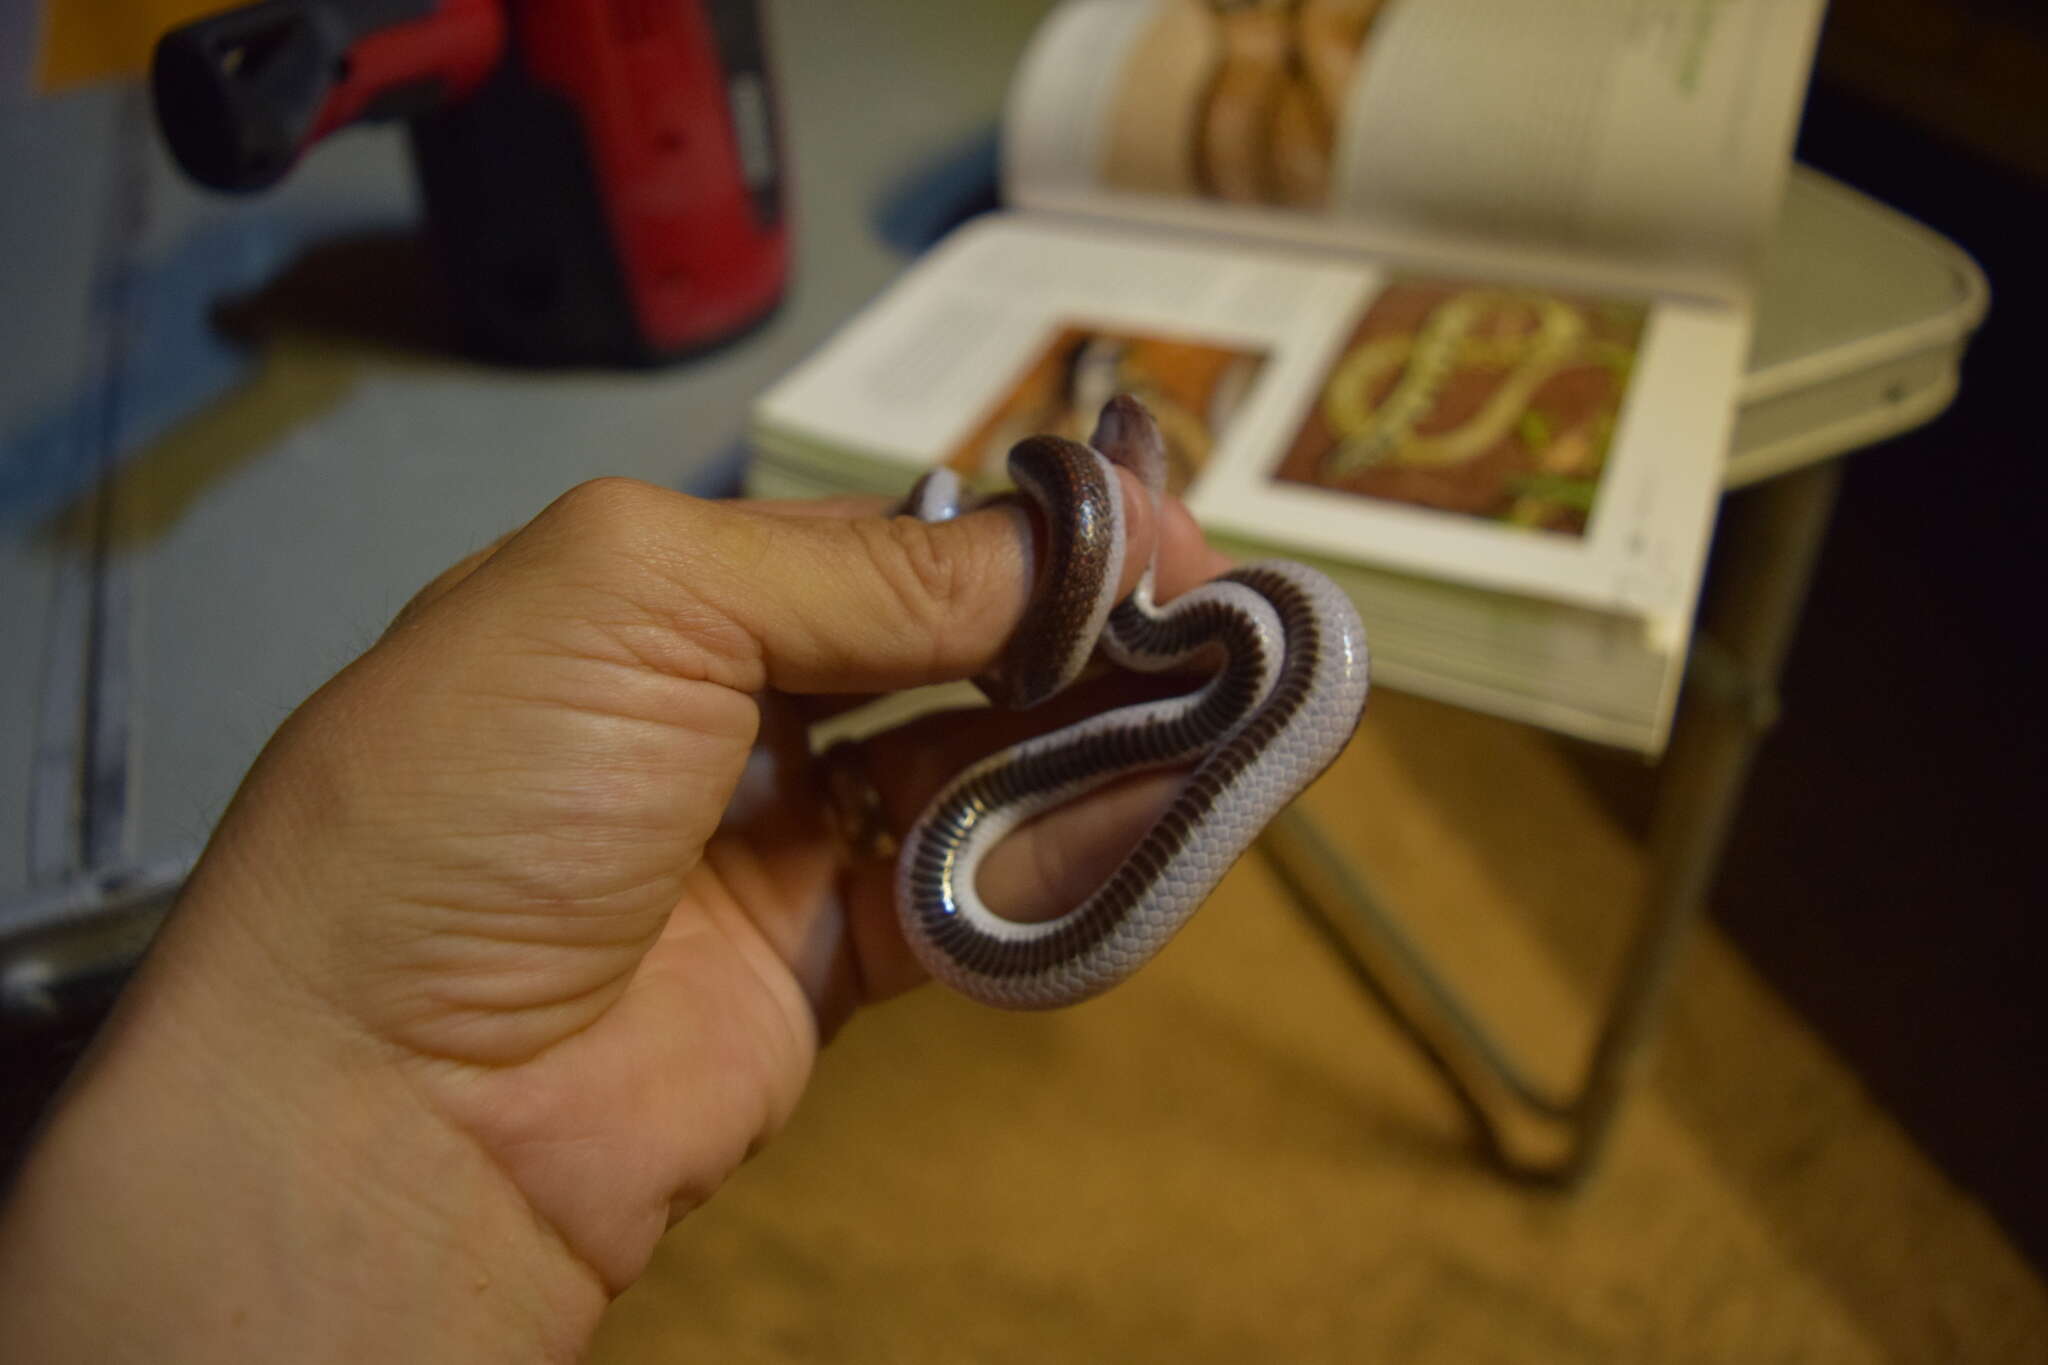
x=1657 y=129
x=1015 y=326
x=1640 y=140
x=1566 y=446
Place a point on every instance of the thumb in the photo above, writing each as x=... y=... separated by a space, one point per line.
x=754 y=600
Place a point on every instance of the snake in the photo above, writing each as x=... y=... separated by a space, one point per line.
x=1286 y=665
x=1372 y=434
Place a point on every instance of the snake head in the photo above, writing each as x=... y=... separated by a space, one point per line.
x=1125 y=434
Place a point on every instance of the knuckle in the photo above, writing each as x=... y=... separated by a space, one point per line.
x=919 y=566
x=607 y=509
x=416 y=605
x=621 y=531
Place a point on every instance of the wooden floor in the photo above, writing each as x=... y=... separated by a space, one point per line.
x=1237 y=1157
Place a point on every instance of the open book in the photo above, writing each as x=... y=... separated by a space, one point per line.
x=1449 y=298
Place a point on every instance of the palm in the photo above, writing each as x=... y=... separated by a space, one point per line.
x=619 y=1029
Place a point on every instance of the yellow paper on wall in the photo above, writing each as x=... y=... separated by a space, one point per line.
x=96 y=40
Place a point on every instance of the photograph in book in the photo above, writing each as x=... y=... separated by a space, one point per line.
x=1235 y=102
x=1193 y=389
x=1498 y=403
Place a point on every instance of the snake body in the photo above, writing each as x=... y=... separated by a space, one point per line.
x=1288 y=685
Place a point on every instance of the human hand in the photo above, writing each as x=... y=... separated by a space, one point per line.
x=525 y=929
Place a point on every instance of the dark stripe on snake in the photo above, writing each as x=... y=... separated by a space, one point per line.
x=1071 y=571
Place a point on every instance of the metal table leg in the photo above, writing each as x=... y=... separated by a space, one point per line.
x=1765 y=554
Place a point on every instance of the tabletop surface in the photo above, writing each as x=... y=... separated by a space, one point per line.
x=285 y=498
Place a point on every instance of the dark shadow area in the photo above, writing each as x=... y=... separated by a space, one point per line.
x=379 y=291
x=1884 y=872
x=35 y=1068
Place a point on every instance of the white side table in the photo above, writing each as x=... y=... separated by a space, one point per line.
x=1860 y=332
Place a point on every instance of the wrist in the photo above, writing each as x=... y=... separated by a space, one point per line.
x=238 y=1173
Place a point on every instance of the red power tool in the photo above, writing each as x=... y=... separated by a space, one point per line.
x=602 y=178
